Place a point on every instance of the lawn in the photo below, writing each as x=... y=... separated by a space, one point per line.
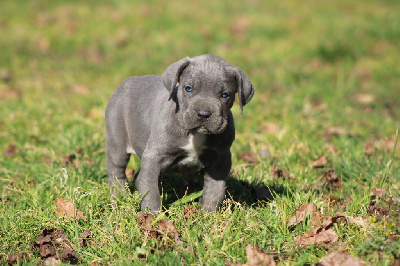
x=315 y=160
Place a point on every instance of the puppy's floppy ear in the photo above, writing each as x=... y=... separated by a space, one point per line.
x=245 y=89
x=171 y=75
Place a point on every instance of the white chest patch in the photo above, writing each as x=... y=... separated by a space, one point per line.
x=194 y=148
x=129 y=149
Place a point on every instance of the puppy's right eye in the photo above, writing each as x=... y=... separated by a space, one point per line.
x=188 y=89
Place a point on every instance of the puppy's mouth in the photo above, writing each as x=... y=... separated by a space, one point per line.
x=202 y=130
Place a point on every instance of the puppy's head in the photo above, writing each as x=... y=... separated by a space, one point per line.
x=204 y=90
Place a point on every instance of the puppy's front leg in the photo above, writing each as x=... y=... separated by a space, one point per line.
x=215 y=183
x=147 y=184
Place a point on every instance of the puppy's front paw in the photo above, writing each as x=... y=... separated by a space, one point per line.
x=119 y=187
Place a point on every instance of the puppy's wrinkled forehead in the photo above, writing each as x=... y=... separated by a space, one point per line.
x=209 y=72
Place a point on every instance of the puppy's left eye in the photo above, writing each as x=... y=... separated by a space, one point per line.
x=225 y=95
x=188 y=88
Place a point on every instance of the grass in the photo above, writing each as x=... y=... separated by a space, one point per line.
x=313 y=64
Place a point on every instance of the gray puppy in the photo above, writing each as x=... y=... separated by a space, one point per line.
x=178 y=123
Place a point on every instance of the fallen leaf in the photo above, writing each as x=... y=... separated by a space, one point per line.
x=333 y=199
x=269 y=128
x=375 y=210
x=9 y=93
x=337 y=132
x=364 y=98
x=378 y=192
x=256 y=258
x=6 y=75
x=322 y=233
x=248 y=157
x=369 y=147
x=397 y=262
x=71 y=159
x=129 y=172
x=317 y=219
x=144 y=220
x=189 y=211
x=276 y=172
x=67 y=208
x=389 y=143
x=85 y=237
x=341 y=258
x=317 y=236
x=332 y=148
x=11 y=150
x=240 y=27
x=331 y=178
x=54 y=243
x=15 y=258
x=51 y=261
x=167 y=227
x=82 y=89
x=320 y=162
x=360 y=221
x=302 y=212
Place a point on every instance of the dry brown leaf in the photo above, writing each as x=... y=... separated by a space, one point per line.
x=317 y=236
x=240 y=27
x=389 y=143
x=144 y=220
x=9 y=93
x=129 y=172
x=331 y=178
x=317 y=219
x=332 y=148
x=6 y=75
x=11 y=150
x=369 y=147
x=257 y=258
x=364 y=98
x=322 y=233
x=320 y=162
x=337 y=132
x=341 y=258
x=85 y=237
x=248 y=157
x=360 y=221
x=333 y=199
x=82 y=89
x=378 y=192
x=276 y=172
x=167 y=227
x=375 y=210
x=67 y=208
x=189 y=211
x=302 y=212
x=269 y=128
x=71 y=159
x=53 y=243
x=14 y=258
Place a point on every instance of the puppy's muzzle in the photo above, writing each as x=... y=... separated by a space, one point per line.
x=203 y=114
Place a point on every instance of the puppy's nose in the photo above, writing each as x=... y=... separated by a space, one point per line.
x=203 y=115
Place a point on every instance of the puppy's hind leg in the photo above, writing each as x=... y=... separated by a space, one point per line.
x=117 y=159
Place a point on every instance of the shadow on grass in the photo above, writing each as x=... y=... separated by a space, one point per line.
x=173 y=188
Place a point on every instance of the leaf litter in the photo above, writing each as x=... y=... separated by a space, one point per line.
x=255 y=258
x=322 y=232
x=341 y=258
x=54 y=247
x=67 y=208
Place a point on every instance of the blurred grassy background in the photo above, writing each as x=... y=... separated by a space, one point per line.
x=315 y=65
